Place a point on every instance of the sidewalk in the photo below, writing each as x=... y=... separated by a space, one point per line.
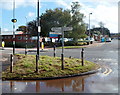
x=97 y=44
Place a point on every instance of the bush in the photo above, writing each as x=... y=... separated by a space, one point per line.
x=70 y=43
x=74 y=43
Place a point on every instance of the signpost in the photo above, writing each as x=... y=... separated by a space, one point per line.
x=54 y=34
x=56 y=28
x=61 y=30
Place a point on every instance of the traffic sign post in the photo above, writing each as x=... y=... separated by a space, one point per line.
x=61 y=30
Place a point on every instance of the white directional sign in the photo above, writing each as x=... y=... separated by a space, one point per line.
x=56 y=28
x=67 y=28
x=60 y=29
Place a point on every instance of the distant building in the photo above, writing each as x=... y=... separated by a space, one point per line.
x=7 y=36
x=115 y=35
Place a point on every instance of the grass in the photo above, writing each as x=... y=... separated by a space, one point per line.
x=71 y=47
x=48 y=67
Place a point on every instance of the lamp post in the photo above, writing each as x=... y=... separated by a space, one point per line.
x=14 y=21
x=26 y=37
x=89 y=23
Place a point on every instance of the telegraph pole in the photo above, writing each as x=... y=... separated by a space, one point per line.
x=14 y=21
x=38 y=37
x=26 y=37
x=39 y=29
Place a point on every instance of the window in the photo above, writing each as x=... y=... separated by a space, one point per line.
x=19 y=38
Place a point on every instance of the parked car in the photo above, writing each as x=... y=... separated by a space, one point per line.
x=65 y=40
x=108 y=39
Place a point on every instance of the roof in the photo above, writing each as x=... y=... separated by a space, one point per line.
x=10 y=32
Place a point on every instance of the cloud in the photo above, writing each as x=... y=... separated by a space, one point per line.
x=5 y=29
x=102 y=10
x=31 y=14
x=8 y=4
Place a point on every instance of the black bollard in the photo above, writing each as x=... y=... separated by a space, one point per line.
x=37 y=58
x=82 y=59
x=62 y=59
x=54 y=51
x=25 y=52
x=11 y=65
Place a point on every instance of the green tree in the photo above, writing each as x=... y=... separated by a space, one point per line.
x=101 y=24
x=51 y=18
x=32 y=28
x=77 y=23
x=99 y=31
x=54 y=18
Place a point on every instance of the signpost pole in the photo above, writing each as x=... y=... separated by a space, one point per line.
x=61 y=30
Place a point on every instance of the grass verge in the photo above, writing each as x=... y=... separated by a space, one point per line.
x=48 y=67
x=71 y=47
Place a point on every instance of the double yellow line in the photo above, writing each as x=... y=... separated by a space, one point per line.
x=107 y=71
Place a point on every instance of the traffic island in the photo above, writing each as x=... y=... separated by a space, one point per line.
x=49 y=68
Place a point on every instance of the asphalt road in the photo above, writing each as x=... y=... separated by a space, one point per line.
x=105 y=81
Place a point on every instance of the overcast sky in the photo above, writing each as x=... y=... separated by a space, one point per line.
x=102 y=10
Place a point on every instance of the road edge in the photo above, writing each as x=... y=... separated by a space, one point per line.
x=51 y=78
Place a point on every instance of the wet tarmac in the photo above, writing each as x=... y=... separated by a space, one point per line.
x=105 y=81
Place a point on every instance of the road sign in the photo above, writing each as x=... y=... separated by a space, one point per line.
x=67 y=28
x=54 y=34
x=56 y=28
x=59 y=29
x=59 y=33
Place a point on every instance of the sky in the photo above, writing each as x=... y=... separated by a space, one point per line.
x=105 y=11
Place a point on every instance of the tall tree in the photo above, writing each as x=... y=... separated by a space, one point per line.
x=32 y=28
x=77 y=21
x=51 y=18
x=101 y=24
x=54 y=18
x=98 y=31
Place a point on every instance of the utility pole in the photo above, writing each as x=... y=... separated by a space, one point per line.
x=38 y=37
x=39 y=29
x=26 y=37
x=14 y=21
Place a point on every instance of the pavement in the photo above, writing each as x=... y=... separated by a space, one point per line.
x=95 y=43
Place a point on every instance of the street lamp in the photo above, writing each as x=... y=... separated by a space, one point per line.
x=89 y=23
x=26 y=37
x=14 y=21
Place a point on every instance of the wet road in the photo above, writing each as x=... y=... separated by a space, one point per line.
x=105 y=81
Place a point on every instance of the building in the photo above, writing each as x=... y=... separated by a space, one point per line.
x=7 y=36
